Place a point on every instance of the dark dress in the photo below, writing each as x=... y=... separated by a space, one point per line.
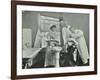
x=66 y=58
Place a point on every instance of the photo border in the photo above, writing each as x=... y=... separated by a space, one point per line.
x=14 y=38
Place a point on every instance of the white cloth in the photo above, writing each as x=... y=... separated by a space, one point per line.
x=66 y=33
x=82 y=47
x=37 y=42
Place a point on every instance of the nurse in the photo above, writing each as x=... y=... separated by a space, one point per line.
x=82 y=47
x=78 y=35
x=50 y=57
x=66 y=33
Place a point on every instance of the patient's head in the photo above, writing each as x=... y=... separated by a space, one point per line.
x=71 y=42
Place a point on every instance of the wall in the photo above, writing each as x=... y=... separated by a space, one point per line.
x=30 y=20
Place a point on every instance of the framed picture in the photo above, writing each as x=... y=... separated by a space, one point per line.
x=53 y=39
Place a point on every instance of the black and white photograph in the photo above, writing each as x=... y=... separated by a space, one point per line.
x=53 y=39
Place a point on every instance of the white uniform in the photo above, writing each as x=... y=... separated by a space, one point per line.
x=82 y=47
x=50 y=56
x=66 y=33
